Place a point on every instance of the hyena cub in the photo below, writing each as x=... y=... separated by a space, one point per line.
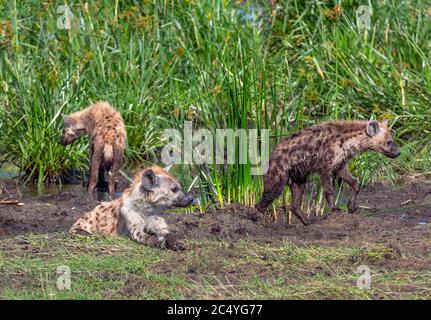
x=107 y=134
x=325 y=148
x=136 y=213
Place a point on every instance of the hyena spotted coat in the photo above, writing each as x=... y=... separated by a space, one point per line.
x=107 y=135
x=136 y=213
x=325 y=148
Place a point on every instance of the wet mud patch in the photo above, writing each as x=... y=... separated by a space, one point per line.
x=390 y=216
x=230 y=223
x=231 y=252
x=43 y=214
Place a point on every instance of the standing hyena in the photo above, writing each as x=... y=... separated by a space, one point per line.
x=326 y=149
x=107 y=134
x=135 y=214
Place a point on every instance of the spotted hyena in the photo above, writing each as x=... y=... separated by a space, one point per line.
x=136 y=213
x=325 y=148
x=107 y=134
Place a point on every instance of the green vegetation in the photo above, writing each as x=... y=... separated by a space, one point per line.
x=163 y=62
x=220 y=64
x=122 y=269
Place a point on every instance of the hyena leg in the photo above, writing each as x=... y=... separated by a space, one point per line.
x=297 y=190
x=116 y=165
x=101 y=182
x=94 y=173
x=137 y=233
x=346 y=176
x=81 y=226
x=154 y=232
x=91 y=162
x=328 y=187
x=111 y=181
x=158 y=226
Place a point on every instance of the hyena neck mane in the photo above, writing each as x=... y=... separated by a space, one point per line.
x=349 y=138
x=86 y=119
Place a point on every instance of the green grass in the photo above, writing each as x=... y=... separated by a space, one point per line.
x=163 y=62
x=121 y=269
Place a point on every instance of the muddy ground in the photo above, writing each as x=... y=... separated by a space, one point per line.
x=226 y=249
x=397 y=217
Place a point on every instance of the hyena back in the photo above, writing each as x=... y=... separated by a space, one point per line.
x=136 y=213
x=325 y=148
x=107 y=135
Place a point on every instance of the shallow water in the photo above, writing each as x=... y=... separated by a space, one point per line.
x=8 y=171
x=32 y=190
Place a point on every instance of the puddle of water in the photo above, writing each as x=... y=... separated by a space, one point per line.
x=32 y=190
x=8 y=171
x=76 y=189
x=423 y=221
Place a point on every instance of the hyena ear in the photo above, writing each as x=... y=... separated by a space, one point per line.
x=68 y=120
x=385 y=122
x=373 y=128
x=149 y=180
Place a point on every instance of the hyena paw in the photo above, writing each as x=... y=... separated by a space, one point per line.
x=153 y=241
x=336 y=210
x=307 y=222
x=352 y=209
x=315 y=219
x=172 y=243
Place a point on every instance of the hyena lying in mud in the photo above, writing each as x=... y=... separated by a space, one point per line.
x=135 y=214
x=107 y=134
x=325 y=148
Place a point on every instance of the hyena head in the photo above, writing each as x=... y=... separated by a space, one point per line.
x=72 y=130
x=381 y=139
x=163 y=190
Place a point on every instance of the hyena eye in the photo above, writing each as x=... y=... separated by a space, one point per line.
x=389 y=142
x=175 y=189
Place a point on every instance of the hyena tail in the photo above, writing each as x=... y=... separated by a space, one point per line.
x=108 y=156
